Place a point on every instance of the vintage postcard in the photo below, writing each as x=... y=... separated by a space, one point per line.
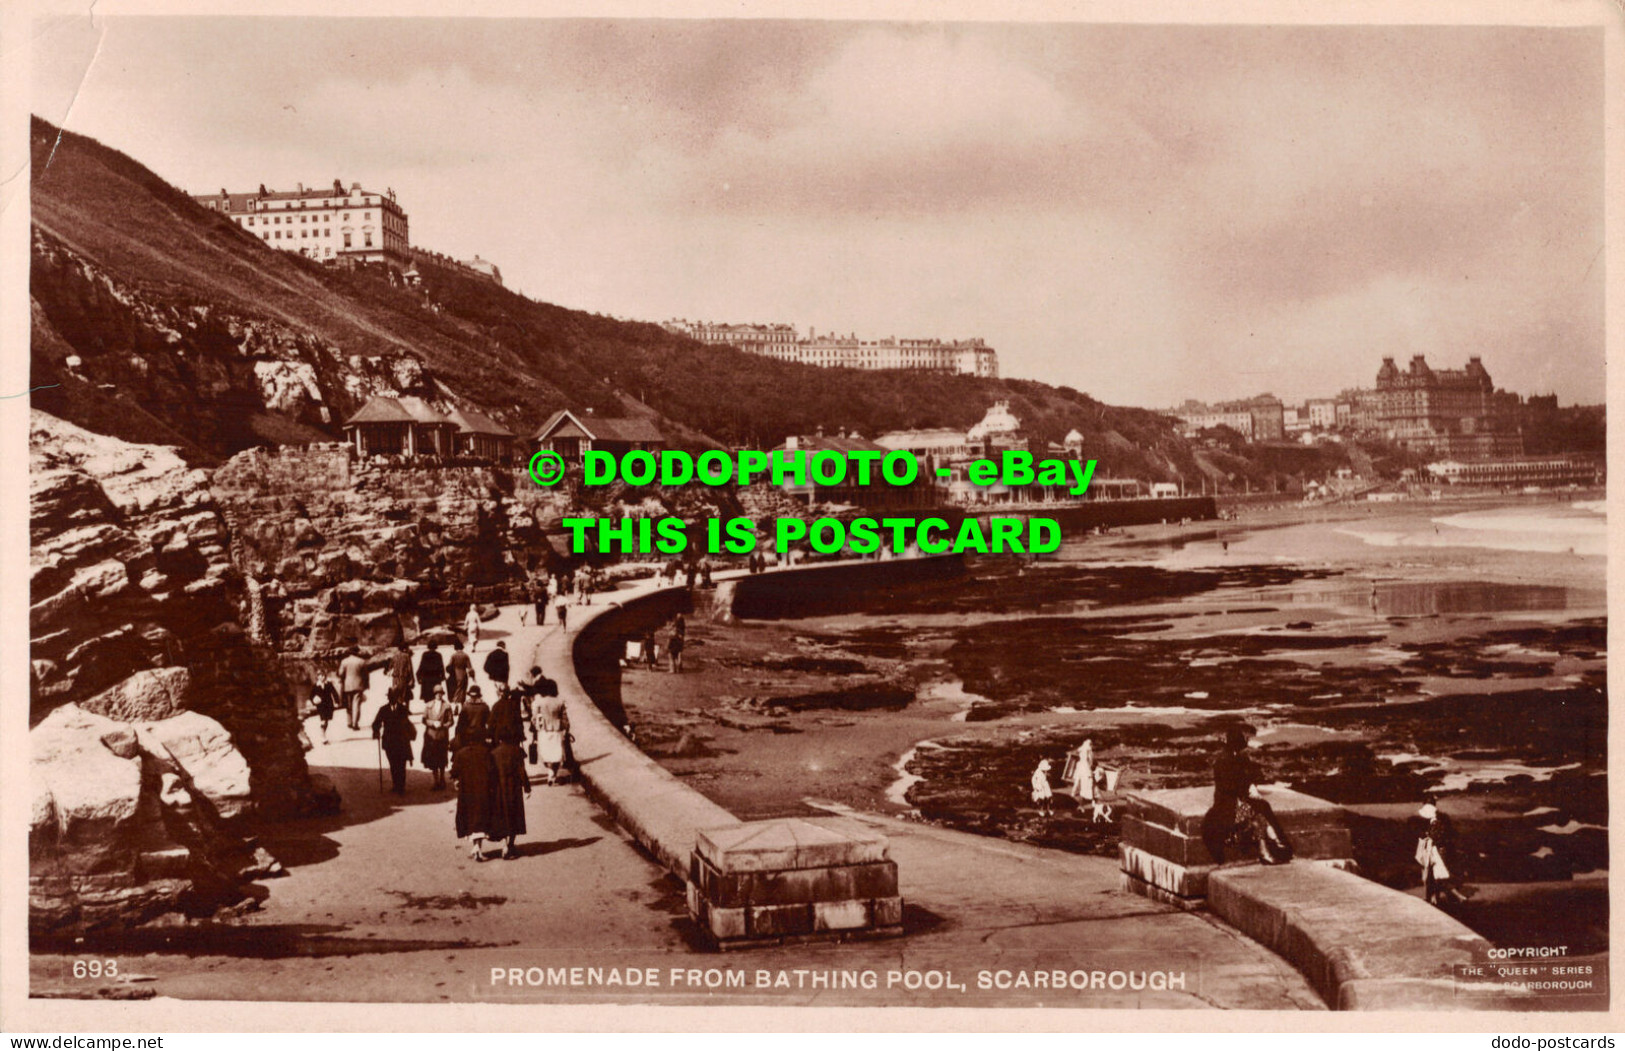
x=1077 y=512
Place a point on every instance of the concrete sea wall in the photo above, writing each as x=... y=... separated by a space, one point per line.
x=748 y=883
x=658 y=809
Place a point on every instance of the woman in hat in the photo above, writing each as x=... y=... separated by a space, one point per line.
x=508 y=792
x=476 y=776
x=437 y=720
x=328 y=697
x=474 y=721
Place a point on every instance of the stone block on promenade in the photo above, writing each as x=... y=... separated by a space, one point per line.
x=768 y=882
x=1164 y=858
x=788 y=843
x=877 y=879
x=1325 y=843
x=1157 y=894
x=1186 y=881
x=1181 y=809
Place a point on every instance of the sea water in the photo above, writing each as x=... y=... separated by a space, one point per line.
x=1580 y=528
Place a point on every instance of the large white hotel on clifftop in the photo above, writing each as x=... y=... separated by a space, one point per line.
x=323 y=222
x=971 y=357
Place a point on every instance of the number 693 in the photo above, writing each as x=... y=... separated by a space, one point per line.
x=95 y=968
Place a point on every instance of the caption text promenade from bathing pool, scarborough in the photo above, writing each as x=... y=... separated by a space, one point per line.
x=797 y=467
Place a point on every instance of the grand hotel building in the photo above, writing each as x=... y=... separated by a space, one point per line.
x=325 y=223
x=971 y=357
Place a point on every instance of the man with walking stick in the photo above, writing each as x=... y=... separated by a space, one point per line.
x=394 y=732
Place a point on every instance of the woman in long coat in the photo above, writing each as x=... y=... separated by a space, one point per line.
x=476 y=775
x=474 y=721
x=431 y=672
x=508 y=793
x=437 y=720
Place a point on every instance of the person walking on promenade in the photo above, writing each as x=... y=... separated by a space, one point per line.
x=1436 y=853
x=1043 y=795
x=327 y=697
x=509 y=789
x=400 y=674
x=476 y=775
x=1241 y=825
x=459 y=672
x=531 y=683
x=474 y=721
x=437 y=721
x=431 y=672
x=649 y=649
x=690 y=581
x=507 y=718
x=563 y=611
x=354 y=679
x=393 y=726
x=674 y=651
x=471 y=627
x=496 y=665
x=538 y=598
x=552 y=734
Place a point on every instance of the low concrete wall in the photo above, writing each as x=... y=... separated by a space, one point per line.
x=658 y=810
x=1361 y=945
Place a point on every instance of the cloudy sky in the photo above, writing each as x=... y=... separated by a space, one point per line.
x=1147 y=213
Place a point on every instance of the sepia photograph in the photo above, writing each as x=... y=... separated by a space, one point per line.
x=801 y=512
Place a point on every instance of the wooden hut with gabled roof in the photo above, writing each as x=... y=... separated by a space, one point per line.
x=403 y=426
x=480 y=437
x=572 y=436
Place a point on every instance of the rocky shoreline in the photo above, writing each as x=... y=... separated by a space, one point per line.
x=939 y=701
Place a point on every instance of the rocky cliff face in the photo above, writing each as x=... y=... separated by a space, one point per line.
x=362 y=552
x=216 y=379
x=137 y=610
x=136 y=820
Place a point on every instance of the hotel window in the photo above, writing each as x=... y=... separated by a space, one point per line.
x=279 y=235
x=327 y=233
x=369 y=239
x=346 y=240
x=303 y=233
x=346 y=216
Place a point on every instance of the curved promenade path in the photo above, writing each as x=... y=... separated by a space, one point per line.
x=379 y=905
